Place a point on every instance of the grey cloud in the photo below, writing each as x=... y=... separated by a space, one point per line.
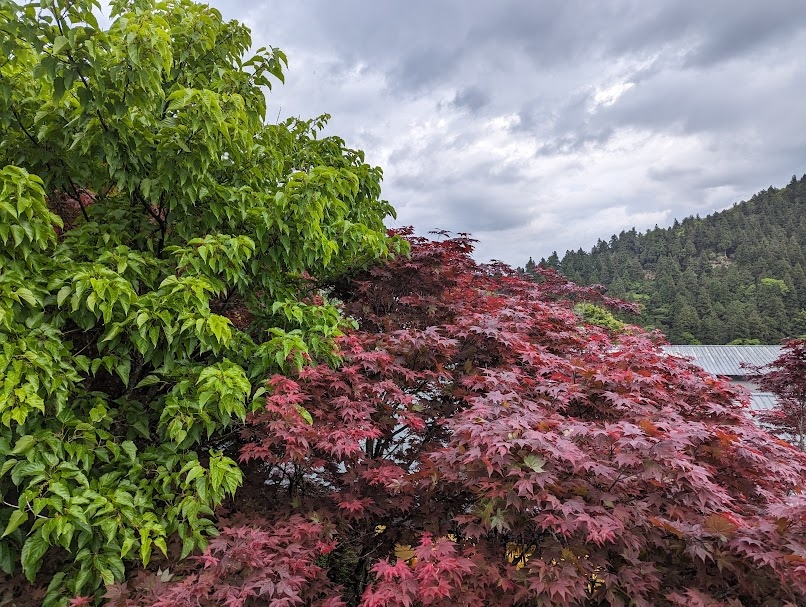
x=421 y=69
x=480 y=175
x=714 y=113
x=574 y=142
x=550 y=34
x=472 y=98
x=673 y=173
x=569 y=129
x=744 y=28
x=697 y=180
x=485 y=214
x=701 y=34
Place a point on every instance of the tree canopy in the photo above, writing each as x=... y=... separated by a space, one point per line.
x=482 y=445
x=737 y=276
x=157 y=241
x=210 y=347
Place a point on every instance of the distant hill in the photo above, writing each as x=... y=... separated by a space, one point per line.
x=735 y=276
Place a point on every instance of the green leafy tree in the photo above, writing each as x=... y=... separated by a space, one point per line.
x=599 y=316
x=156 y=244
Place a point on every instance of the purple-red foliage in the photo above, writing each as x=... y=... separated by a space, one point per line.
x=271 y=564
x=526 y=459
x=786 y=378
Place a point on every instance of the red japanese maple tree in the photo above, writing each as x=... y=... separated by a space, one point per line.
x=786 y=378
x=480 y=445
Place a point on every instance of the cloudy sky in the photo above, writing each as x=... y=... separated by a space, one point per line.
x=545 y=125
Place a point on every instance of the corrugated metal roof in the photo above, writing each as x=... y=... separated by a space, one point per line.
x=762 y=401
x=726 y=360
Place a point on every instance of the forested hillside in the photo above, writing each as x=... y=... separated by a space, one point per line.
x=734 y=276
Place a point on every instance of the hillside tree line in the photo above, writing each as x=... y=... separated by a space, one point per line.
x=736 y=276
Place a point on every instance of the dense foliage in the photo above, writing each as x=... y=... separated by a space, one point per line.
x=177 y=377
x=734 y=276
x=156 y=240
x=786 y=378
x=482 y=445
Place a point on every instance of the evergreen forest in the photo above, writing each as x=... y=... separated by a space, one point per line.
x=733 y=277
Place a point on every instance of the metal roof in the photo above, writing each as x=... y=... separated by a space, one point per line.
x=762 y=401
x=726 y=360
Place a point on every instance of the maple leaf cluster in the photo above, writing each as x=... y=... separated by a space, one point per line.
x=481 y=445
x=786 y=378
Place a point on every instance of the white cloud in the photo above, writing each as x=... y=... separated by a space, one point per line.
x=610 y=95
x=543 y=126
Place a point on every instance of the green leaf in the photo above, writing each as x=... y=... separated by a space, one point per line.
x=130 y=449
x=148 y=380
x=59 y=44
x=82 y=362
x=113 y=332
x=7 y=465
x=27 y=295
x=122 y=369
x=217 y=473
x=33 y=550
x=18 y=517
x=159 y=542
x=8 y=558
x=145 y=547
x=60 y=489
x=220 y=327
x=534 y=462
x=195 y=472
x=306 y=415
x=63 y=294
x=188 y=544
x=23 y=445
x=107 y=576
x=128 y=543
x=84 y=576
